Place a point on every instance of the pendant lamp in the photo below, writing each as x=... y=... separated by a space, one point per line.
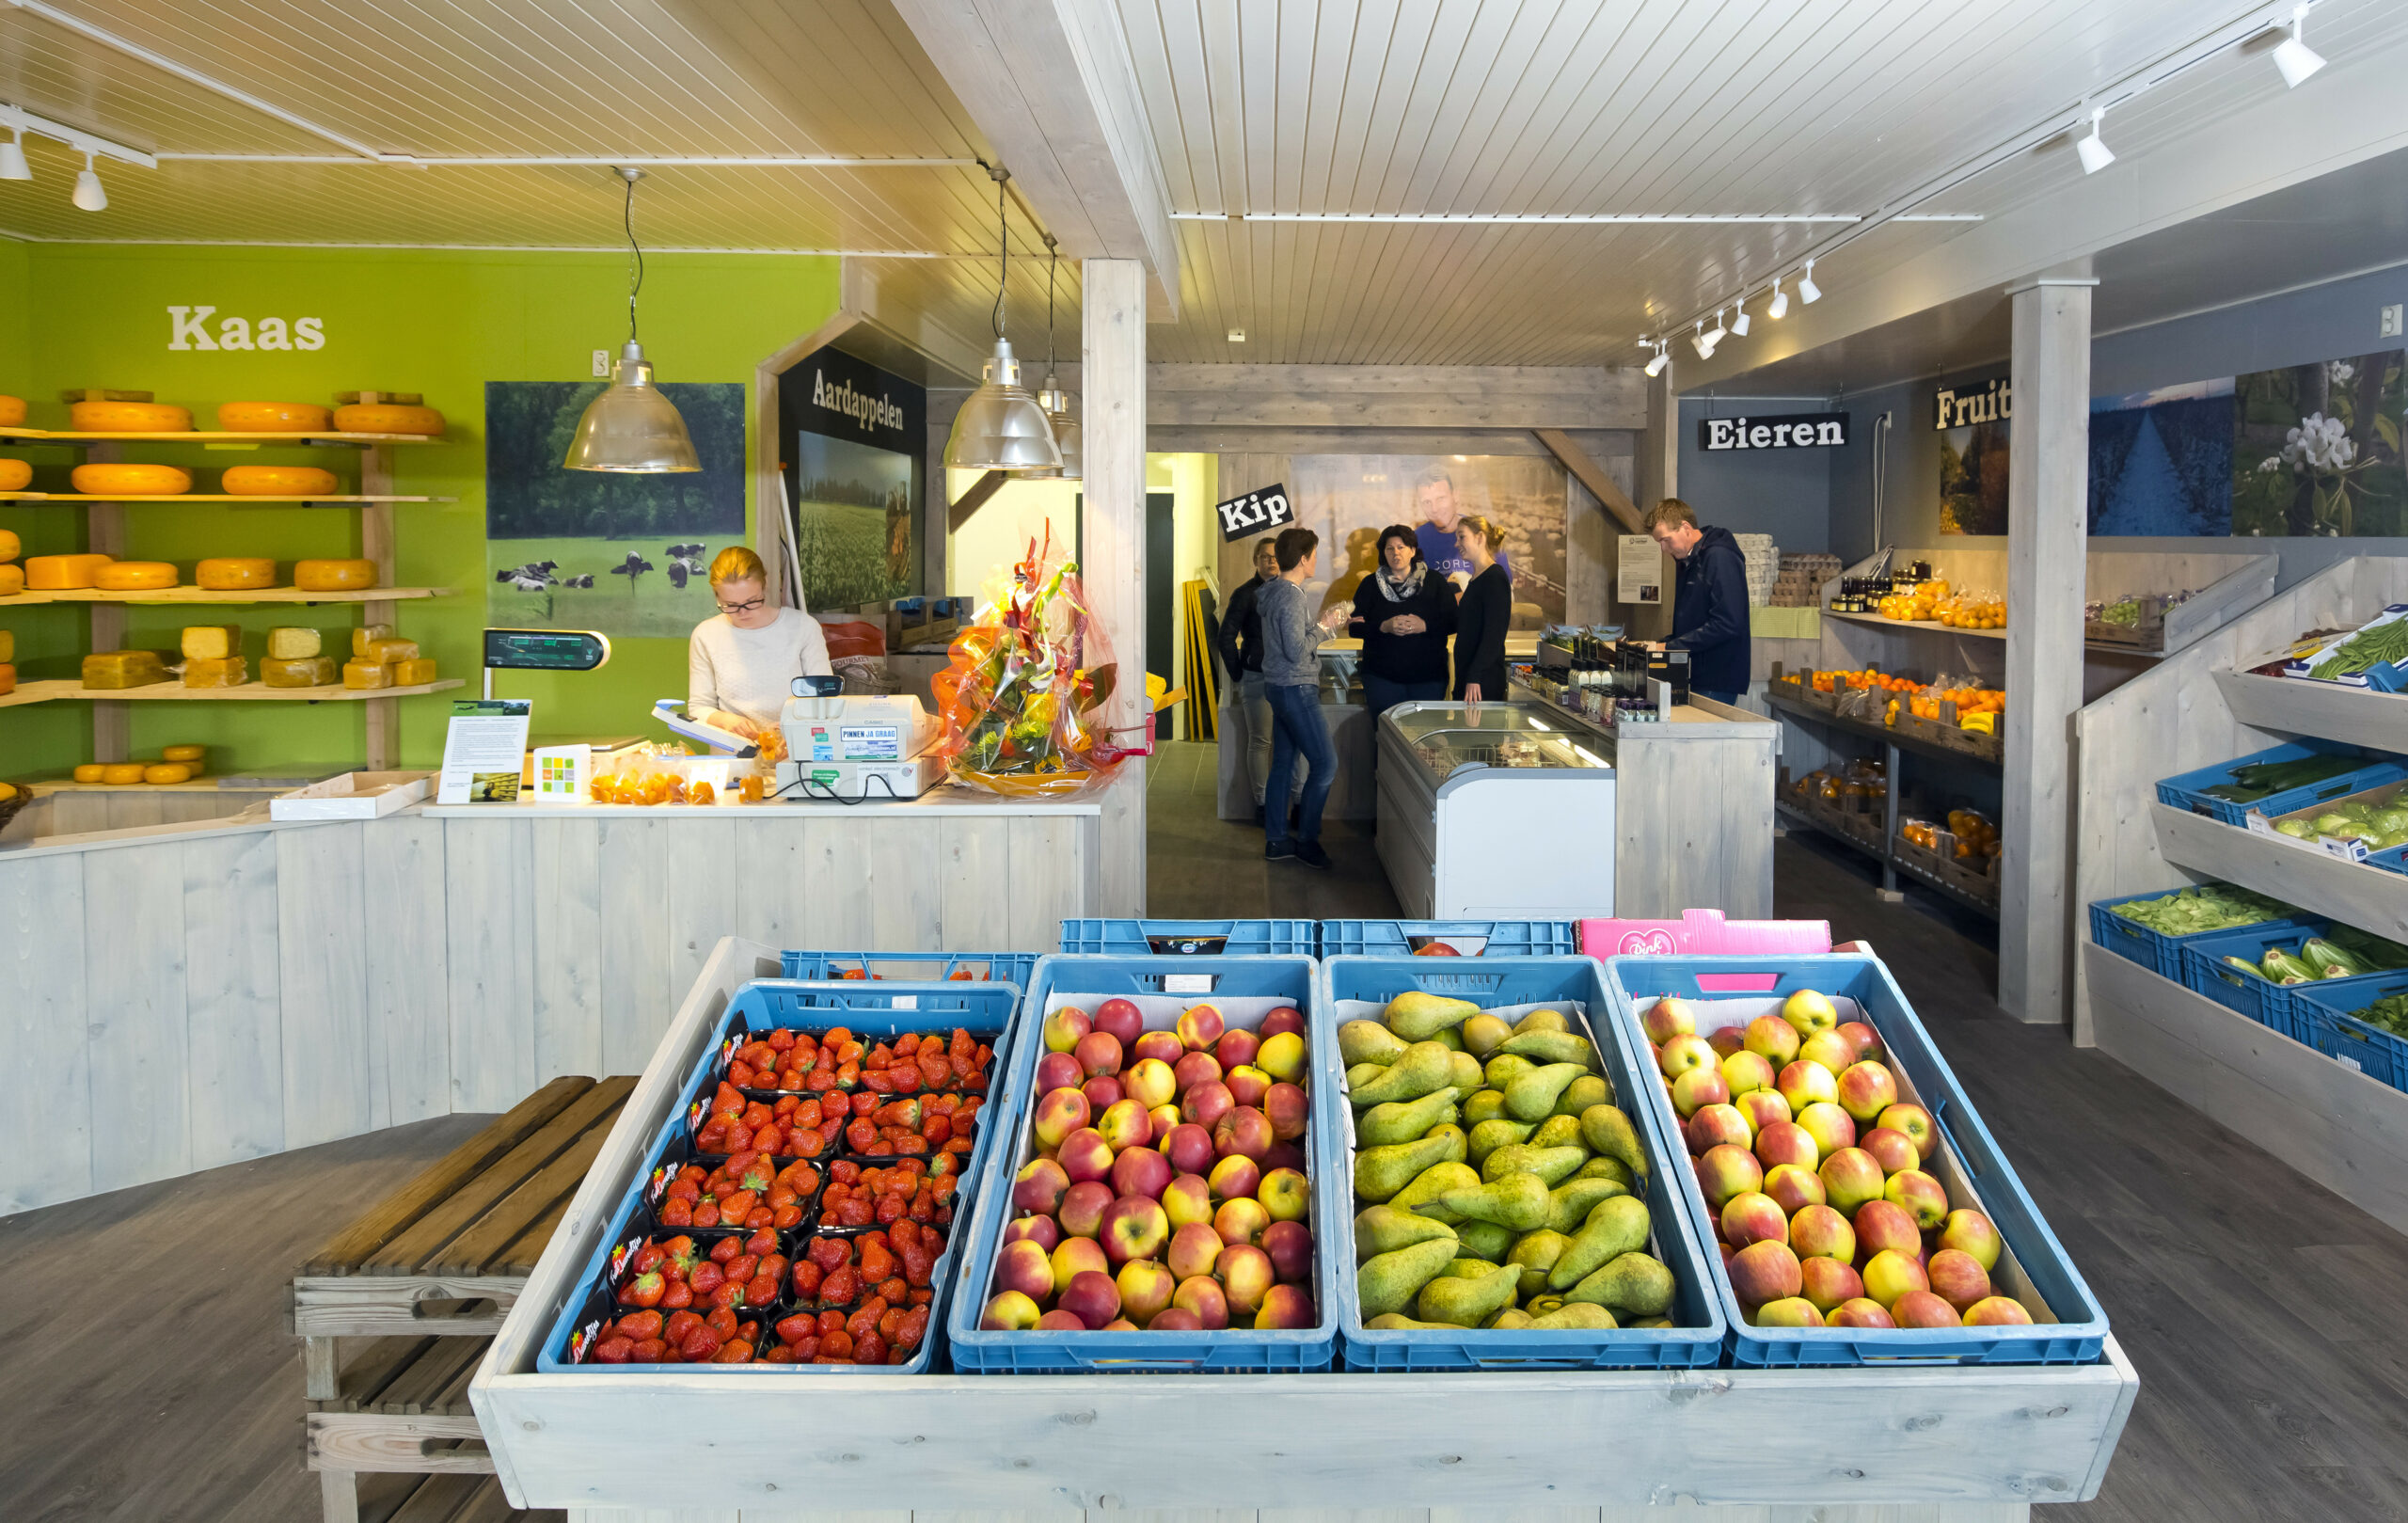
x=631 y=428
x=1051 y=397
x=1001 y=427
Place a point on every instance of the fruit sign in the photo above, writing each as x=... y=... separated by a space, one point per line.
x=1255 y=513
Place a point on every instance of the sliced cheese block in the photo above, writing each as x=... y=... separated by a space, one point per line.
x=300 y=672
x=279 y=481
x=367 y=675
x=389 y=651
x=12 y=412
x=415 y=672
x=12 y=580
x=234 y=574
x=167 y=772
x=194 y=754
x=334 y=576
x=367 y=632
x=124 y=669
x=387 y=417
x=9 y=547
x=89 y=773
x=15 y=475
x=128 y=418
x=271 y=418
x=7 y=677
x=122 y=773
x=116 y=479
x=62 y=573
x=288 y=643
x=134 y=575
x=227 y=671
x=212 y=642
x=7 y=644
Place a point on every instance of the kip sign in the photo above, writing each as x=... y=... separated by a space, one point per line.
x=1257 y=513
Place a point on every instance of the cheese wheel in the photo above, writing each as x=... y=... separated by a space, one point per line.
x=209 y=641
x=415 y=672
x=227 y=671
x=7 y=677
x=387 y=417
x=89 y=773
x=12 y=580
x=134 y=575
x=193 y=755
x=234 y=574
x=122 y=773
x=279 y=481
x=111 y=479
x=8 y=545
x=272 y=417
x=63 y=573
x=167 y=772
x=127 y=417
x=334 y=576
x=15 y=475
x=12 y=412
x=299 y=672
x=367 y=675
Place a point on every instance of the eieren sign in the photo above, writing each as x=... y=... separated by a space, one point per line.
x=1991 y=403
x=1255 y=513
x=1792 y=430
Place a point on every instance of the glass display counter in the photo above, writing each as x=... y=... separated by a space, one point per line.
x=1501 y=811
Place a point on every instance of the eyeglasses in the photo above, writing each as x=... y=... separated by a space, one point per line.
x=742 y=608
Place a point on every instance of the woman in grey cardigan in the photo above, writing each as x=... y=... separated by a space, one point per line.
x=1292 y=682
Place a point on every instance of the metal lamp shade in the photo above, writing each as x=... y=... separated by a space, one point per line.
x=1066 y=432
x=1001 y=427
x=631 y=427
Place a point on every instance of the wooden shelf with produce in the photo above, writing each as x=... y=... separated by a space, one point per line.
x=209 y=598
x=1870 y=730
x=329 y=437
x=2353 y=893
x=2326 y=710
x=1932 y=626
x=61 y=690
x=213 y=496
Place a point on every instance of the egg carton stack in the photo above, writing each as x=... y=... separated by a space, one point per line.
x=1764 y=564
x=1799 y=583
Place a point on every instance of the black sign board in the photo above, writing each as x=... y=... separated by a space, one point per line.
x=1257 y=513
x=1788 y=430
x=833 y=393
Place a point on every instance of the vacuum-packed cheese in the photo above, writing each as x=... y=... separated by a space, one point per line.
x=126 y=479
x=62 y=573
x=365 y=673
x=366 y=632
x=288 y=642
x=235 y=573
x=271 y=418
x=167 y=772
x=389 y=651
x=224 y=671
x=128 y=418
x=416 y=672
x=299 y=672
x=123 y=668
x=212 y=642
x=278 y=480
x=134 y=576
x=334 y=576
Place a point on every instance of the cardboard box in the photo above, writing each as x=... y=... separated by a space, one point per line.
x=352 y=796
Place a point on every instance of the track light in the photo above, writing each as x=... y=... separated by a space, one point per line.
x=1663 y=358
x=12 y=159
x=1779 y=307
x=1808 y=292
x=2295 y=59
x=1739 y=324
x=1703 y=340
x=2096 y=154
x=88 y=194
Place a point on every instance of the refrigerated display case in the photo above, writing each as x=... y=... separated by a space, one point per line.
x=1498 y=810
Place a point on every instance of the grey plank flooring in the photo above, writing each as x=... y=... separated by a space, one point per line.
x=1200 y=866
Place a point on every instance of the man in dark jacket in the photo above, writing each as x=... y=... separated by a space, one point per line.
x=1240 y=648
x=1709 y=599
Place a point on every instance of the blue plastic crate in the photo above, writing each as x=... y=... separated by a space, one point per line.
x=2181 y=790
x=2076 y=1340
x=924 y=967
x=1189 y=937
x=2269 y=1004
x=1495 y=981
x=2156 y=951
x=1234 y=1351
x=2331 y=1029
x=1472 y=938
x=872 y=1010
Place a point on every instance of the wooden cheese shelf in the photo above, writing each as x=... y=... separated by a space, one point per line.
x=209 y=497
x=53 y=691
x=206 y=595
x=48 y=436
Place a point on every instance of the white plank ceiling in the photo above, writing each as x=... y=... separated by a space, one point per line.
x=1421 y=106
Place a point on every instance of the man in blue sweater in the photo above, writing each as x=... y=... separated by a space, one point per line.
x=1292 y=681
x=1709 y=599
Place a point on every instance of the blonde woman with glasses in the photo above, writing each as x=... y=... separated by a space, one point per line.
x=740 y=666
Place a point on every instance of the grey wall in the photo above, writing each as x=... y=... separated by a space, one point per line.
x=1785 y=493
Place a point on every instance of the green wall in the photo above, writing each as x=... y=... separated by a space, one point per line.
x=438 y=322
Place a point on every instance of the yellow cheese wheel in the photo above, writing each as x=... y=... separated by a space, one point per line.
x=193 y=755
x=12 y=580
x=234 y=574
x=113 y=480
x=62 y=573
x=89 y=773
x=122 y=773
x=334 y=576
x=15 y=475
x=128 y=418
x=279 y=481
x=12 y=412
x=134 y=575
x=8 y=545
x=167 y=772
x=387 y=417
x=271 y=417
x=7 y=677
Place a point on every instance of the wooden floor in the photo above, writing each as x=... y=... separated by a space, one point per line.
x=1200 y=867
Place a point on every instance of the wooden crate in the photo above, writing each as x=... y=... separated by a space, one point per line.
x=1945 y=732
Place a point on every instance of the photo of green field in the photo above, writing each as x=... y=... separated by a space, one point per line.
x=854 y=527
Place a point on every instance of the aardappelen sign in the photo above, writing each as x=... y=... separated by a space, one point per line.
x=1257 y=513
x=1791 y=431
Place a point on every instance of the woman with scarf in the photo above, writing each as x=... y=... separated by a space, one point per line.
x=1405 y=614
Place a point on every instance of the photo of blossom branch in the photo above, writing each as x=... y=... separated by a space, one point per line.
x=2316 y=449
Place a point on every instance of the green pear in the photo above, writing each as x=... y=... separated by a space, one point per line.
x=1379 y=1173
x=1468 y=1301
x=1615 y=1226
x=1633 y=1282
x=1560 y=1131
x=1587 y=1091
x=1577 y=1314
x=1518 y=1201
x=1553 y=1047
x=1422 y=1068
x=1432 y=1182
x=1467 y=1075
x=1487 y=1137
x=1367 y=1041
x=1551 y=1165
x=1486 y=1238
x=1417 y=1017
x=1531 y=1095
x=1541 y=1306
x=1390 y=1281
x=1512 y=1319
x=1504 y=1068
x=1401 y=1120
x=1461 y=1267
x=1384 y=1230
x=1485 y=1105
x=1607 y=1168
x=1484 y=1034
x=1363 y=1073
x=1535 y=1253
x=1397 y=1321
x=1610 y=1133
x=1452 y=1039
x=1569 y=1203
x=1541 y=1020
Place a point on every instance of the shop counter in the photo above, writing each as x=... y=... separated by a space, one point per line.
x=183 y=996
x=783 y=1442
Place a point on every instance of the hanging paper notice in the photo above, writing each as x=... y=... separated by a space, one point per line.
x=1640 y=567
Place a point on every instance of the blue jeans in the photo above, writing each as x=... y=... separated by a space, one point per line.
x=1380 y=695
x=1296 y=728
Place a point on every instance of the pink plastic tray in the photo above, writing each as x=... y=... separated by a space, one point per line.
x=1704 y=933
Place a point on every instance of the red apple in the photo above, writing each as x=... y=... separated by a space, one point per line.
x=1829 y=1283
x=1058 y=1071
x=1698 y=1088
x=1162 y=1046
x=1753 y=1217
x=1282 y=1056
x=1188 y=1199
x=1201 y=1296
x=1684 y=1052
x=1284 y=1195
x=1851 y=1178
x=1236 y=1176
x=1916 y=1123
x=1150 y=1082
x=1038 y=1187
x=1207 y=1103
x=1820 y=1232
x=1289 y=1109
x=1121 y=1324
x=1122 y=1018
x=1866 y=1091
x=1124 y=1124
x=1076 y=1256
x=1970 y=1231
x=1194 y=1248
x=1725 y=1172
x=1135 y=1227
x=1668 y=1018
x=1884 y=1227
x=1092 y=1297
x=1059 y=1321
x=1176 y=1320
x=1064 y=1027
x=1889 y=1276
x=1103 y=1091
x=1009 y=1312
x=1714 y=1125
x=1924 y=1197
x=1026 y=1268
x=1248 y=1085
x=1894 y=1150
x=1862 y=1037
x=1200 y=1026
x=1762 y=1272
x=1246 y=1276
x=1285 y=1018
x=1241 y=1219
x=1285 y=1307
x=1830 y=1127
x=1084 y=1155
x=1146 y=1290
x=1282 y=1155
x=1830 y=1050
x=1042 y=1230
x=1763 y=1107
x=1236 y=1047
x=1290 y=1244
x=1744 y=1071
x=1861 y=1313
x=1195 y=1069
x=1726 y=1041
x=1921 y=1308
x=1790 y=1311
x=1082 y=1214
x=1189 y=1148
x=1958 y=1278
x=1997 y=1311
x=1773 y=1040
x=1141 y=1171
x=1786 y=1142
x=1793 y=1187
x=1242 y=1131
x=1098 y=1052
x=1804 y=1085
x=1163 y=1121
x=1059 y=1113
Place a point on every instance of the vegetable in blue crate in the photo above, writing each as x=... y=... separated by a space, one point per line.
x=2385 y=641
x=2208 y=907
x=2263 y=780
x=2388 y=1014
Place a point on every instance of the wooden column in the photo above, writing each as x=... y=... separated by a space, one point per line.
x=1660 y=477
x=1113 y=418
x=2048 y=477
x=382 y=717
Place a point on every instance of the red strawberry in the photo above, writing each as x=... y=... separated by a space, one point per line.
x=644 y=1289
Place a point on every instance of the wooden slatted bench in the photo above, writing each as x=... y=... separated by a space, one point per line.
x=426 y=1276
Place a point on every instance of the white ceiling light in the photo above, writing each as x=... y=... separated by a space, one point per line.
x=1808 y=292
x=2096 y=154
x=1663 y=358
x=631 y=429
x=1739 y=324
x=1001 y=427
x=1050 y=396
x=2294 y=58
x=1703 y=341
x=1779 y=307
x=1237 y=335
x=90 y=195
x=12 y=159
